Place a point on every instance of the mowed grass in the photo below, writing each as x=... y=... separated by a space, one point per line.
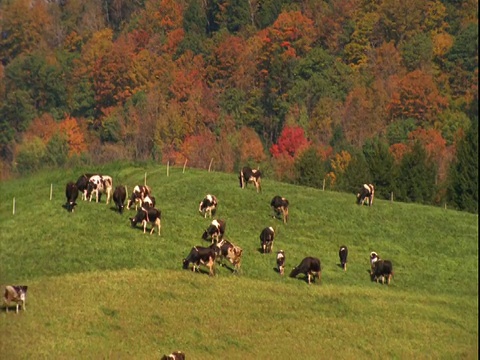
x=100 y=289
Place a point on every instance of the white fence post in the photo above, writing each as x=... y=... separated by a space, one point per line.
x=168 y=167
x=13 y=211
x=184 y=165
x=209 y=166
x=51 y=190
x=145 y=183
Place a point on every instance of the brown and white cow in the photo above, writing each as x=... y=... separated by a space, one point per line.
x=15 y=294
x=373 y=259
x=208 y=206
x=71 y=192
x=99 y=184
x=138 y=196
x=176 y=355
x=280 y=207
x=215 y=231
x=145 y=216
x=281 y=262
x=224 y=249
x=343 y=255
x=310 y=267
x=267 y=236
x=366 y=193
x=200 y=255
x=249 y=175
x=82 y=184
x=382 y=269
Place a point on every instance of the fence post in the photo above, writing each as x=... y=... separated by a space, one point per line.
x=13 y=211
x=391 y=196
x=168 y=167
x=323 y=187
x=51 y=190
x=185 y=164
x=209 y=166
x=145 y=183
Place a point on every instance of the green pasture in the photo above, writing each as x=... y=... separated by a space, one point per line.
x=100 y=289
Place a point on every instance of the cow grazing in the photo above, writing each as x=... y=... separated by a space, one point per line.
x=215 y=231
x=145 y=216
x=82 y=184
x=71 y=192
x=138 y=195
x=382 y=269
x=310 y=267
x=280 y=207
x=366 y=193
x=99 y=184
x=249 y=175
x=148 y=202
x=224 y=249
x=119 y=196
x=281 y=262
x=373 y=259
x=15 y=294
x=266 y=239
x=176 y=355
x=208 y=206
x=343 y=254
x=201 y=255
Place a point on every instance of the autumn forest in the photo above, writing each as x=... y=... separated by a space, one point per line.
x=332 y=93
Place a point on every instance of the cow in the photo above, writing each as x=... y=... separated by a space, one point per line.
x=343 y=254
x=281 y=262
x=280 y=207
x=144 y=216
x=373 y=259
x=176 y=355
x=224 y=249
x=266 y=239
x=148 y=202
x=310 y=266
x=15 y=294
x=201 y=255
x=249 y=175
x=215 y=231
x=71 y=192
x=208 y=206
x=99 y=184
x=119 y=196
x=82 y=184
x=366 y=193
x=138 y=195
x=382 y=269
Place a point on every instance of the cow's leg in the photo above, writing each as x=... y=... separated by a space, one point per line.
x=309 y=278
x=144 y=223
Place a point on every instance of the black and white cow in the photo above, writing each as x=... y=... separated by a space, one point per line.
x=215 y=231
x=176 y=355
x=71 y=192
x=201 y=255
x=82 y=184
x=119 y=196
x=281 y=262
x=208 y=206
x=249 y=175
x=224 y=249
x=145 y=216
x=138 y=195
x=310 y=267
x=99 y=184
x=15 y=294
x=343 y=255
x=148 y=202
x=267 y=236
x=373 y=259
x=280 y=207
x=382 y=269
x=366 y=193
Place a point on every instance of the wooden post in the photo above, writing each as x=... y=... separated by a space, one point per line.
x=126 y=191
x=51 y=190
x=13 y=211
x=209 y=166
x=168 y=167
x=323 y=188
x=184 y=165
x=145 y=183
x=391 y=196
x=445 y=206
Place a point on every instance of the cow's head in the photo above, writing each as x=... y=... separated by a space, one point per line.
x=185 y=263
x=133 y=221
x=71 y=206
x=205 y=235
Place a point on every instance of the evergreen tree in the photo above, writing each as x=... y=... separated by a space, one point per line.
x=381 y=165
x=310 y=169
x=463 y=190
x=416 y=180
x=356 y=174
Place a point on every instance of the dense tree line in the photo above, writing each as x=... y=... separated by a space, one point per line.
x=315 y=92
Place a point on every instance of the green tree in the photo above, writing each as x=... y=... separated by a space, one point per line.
x=381 y=165
x=463 y=189
x=310 y=169
x=56 y=152
x=417 y=52
x=31 y=155
x=416 y=177
x=356 y=173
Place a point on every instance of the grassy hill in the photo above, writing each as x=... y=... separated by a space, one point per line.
x=100 y=289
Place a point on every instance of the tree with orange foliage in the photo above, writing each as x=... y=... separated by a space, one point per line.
x=75 y=137
x=250 y=148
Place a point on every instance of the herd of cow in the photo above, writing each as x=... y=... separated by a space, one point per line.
x=220 y=249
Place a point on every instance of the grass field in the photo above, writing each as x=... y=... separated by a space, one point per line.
x=100 y=289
